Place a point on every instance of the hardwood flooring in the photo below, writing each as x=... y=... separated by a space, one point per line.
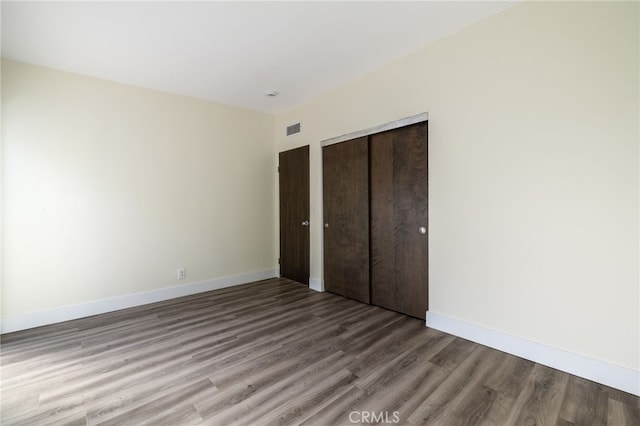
x=274 y=352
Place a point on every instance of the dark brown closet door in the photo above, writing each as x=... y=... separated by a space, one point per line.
x=345 y=180
x=294 y=214
x=399 y=240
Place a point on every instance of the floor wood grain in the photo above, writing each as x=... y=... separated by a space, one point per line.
x=275 y=353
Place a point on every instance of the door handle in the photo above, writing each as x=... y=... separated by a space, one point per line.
x=422 y=230
x=305 y=223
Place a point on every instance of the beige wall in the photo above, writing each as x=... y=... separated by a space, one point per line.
x=1 y=196
x=534 y=195
x=108 y=189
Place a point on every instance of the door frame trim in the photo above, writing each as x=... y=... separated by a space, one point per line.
x=395 y=124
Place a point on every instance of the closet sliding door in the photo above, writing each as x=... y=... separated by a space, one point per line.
x=345 y=180
x=399 y=216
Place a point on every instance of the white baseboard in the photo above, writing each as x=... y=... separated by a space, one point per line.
x=95 y=307
x=592 y=369
x=316 y=284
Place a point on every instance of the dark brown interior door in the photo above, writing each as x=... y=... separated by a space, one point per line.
x=345 y=183
x=294 y=214
x=399 y=240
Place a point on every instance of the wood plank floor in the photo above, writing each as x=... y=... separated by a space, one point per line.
x=274 y=352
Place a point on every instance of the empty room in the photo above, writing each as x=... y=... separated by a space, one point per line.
x=320 y=213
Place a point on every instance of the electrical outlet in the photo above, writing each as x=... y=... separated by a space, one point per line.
x=182 y=273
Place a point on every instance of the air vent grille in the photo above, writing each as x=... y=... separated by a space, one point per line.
x=293 y=129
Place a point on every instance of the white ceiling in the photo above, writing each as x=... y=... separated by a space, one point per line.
x=230 y=52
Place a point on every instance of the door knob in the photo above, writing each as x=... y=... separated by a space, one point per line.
x=305 y=223
x=422 y=230
x=326 y=225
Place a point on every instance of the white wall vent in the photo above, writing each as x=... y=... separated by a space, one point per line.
x=293 y=129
